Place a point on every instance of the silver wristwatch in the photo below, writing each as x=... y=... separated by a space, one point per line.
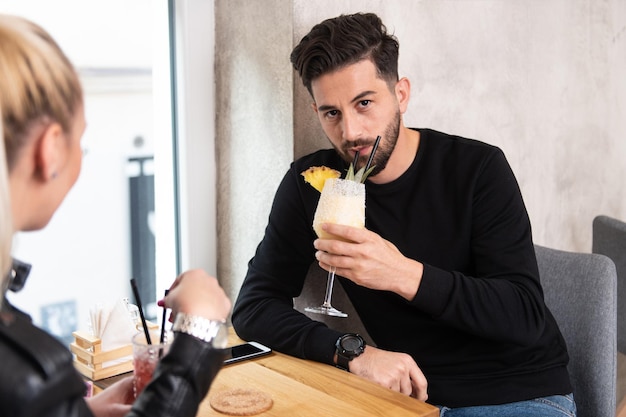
x=214 y=332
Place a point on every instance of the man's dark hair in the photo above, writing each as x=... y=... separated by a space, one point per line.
x=341 y=41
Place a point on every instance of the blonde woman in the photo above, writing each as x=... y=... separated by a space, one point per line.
x=43 y=119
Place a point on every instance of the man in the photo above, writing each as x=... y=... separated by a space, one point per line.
x=444 y=276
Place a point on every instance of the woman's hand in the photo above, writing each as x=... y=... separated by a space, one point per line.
x=115 y=401
x=197 y=293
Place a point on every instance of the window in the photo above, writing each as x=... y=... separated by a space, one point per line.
x=119 y=220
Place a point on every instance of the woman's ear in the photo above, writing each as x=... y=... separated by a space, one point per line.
x=50 y=152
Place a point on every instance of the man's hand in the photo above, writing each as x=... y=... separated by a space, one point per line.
x=369 y=260
x=394 y=370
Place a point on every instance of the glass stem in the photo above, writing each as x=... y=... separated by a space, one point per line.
x=329 y=287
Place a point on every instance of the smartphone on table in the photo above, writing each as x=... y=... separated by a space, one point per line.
x=245 y=351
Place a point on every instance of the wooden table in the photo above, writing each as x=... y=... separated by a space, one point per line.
x=301 y=388
x=304 y=388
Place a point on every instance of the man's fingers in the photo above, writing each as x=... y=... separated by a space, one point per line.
x=420 y=385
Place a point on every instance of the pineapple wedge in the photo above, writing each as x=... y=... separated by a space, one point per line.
x=317 y=176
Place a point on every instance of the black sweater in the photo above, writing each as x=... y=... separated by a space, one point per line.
x=478 y=326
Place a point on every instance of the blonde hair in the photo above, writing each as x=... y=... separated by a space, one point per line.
x=38 y=83
x=6 y=222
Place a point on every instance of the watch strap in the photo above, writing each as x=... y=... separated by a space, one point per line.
x=343 y=361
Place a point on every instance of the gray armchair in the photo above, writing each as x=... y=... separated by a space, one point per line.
x=609 y=238
x=580 y=290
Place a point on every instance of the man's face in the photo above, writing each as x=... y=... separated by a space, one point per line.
x=355 y=106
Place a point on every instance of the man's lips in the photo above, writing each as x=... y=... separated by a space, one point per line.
x=360 y=149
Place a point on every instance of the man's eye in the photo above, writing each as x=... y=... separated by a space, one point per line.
x=365 y=103
x=332 y=113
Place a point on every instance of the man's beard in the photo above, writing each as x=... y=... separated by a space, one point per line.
x=387 y=144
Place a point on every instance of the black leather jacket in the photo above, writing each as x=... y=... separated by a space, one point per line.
x=37 y=377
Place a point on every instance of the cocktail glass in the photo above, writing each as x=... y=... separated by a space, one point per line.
x=341 y=202
x=146 y=358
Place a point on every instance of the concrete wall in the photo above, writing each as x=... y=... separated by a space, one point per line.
x=254 y=127
x=544 y=80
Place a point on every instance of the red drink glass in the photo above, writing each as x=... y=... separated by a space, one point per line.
x=146 y=358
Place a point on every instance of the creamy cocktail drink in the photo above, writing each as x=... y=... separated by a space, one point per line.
x=341 y=202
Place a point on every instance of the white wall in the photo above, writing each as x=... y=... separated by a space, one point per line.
x=196 y=121
x=254 y=139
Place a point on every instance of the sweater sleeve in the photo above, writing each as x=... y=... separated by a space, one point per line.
x=503 y=286
x=264 y=309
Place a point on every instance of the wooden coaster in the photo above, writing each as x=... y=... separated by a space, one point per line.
x=241 y=402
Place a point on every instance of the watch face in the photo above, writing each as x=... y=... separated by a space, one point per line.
x=351 y=343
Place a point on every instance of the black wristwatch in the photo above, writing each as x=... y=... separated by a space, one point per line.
x=348 y=347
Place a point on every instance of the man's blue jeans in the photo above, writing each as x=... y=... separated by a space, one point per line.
x=553 y=406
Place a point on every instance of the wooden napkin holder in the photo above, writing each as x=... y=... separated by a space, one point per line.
x=90 y=359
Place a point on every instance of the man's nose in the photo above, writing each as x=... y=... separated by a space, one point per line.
x=352 y=128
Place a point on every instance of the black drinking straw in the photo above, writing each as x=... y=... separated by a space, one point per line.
x=133 y=284
x=162 y=338
x=356 y=160
x=369 y=161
